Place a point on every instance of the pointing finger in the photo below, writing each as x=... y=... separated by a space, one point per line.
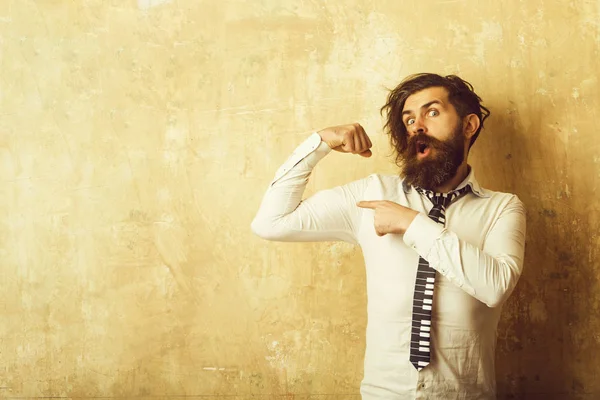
x=368 y=204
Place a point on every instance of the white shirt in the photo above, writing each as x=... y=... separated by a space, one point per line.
x=478 y=256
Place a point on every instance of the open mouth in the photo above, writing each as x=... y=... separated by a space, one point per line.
x=423 y=149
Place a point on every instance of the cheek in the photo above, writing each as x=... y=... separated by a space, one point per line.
x=442 y=128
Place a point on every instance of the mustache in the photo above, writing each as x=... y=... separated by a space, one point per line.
x=424 y=138
x=411 y=143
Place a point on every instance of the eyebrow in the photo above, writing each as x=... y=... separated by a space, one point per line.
x=426 y=105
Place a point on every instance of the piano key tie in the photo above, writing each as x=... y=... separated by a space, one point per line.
x=420 y=340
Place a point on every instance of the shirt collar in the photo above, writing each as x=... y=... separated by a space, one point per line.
x=470 y=180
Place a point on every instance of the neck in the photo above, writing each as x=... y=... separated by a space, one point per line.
x=461 y=174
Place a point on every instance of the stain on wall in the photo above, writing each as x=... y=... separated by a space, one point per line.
x=137 y=138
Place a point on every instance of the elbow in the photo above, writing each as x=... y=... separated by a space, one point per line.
x=495 y=301
x=496 y=297
x=259 y=229
x=275 y=228
x=264 y=229
x=502 y=290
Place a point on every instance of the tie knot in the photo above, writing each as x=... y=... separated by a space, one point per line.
x=443 y=199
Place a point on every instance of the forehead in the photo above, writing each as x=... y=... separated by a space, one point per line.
x=416 y=100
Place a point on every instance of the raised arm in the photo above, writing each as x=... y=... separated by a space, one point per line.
x=327 y=215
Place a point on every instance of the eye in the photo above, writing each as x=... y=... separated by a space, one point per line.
x=410 y=121
x=433 y=113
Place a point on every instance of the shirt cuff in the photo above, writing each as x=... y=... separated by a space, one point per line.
x=422 y=234
x=312 y=150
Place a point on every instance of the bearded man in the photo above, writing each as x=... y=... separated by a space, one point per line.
x=442 y=254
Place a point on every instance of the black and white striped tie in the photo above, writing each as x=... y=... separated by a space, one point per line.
x=420 y=340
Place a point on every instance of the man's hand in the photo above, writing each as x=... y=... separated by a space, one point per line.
x=350 y=138
x=390 y=217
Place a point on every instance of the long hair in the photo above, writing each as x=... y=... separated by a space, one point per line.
x=460 y=94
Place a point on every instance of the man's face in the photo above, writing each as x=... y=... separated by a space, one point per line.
x=436 y=143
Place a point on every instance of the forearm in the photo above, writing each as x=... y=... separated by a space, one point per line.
x=274 y=217
x=489 y=278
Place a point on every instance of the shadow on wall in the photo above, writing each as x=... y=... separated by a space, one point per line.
x=538 y=354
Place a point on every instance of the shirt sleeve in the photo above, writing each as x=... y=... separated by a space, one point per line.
x=489 y=274
x=328 y=215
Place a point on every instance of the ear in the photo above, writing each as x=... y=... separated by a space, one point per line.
x=470 y=125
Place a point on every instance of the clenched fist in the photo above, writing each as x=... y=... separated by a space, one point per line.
x=350 y=138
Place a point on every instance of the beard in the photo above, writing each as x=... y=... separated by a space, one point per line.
x=439 y=166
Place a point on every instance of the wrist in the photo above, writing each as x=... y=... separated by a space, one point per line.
x=408 y=220
x=325 y=134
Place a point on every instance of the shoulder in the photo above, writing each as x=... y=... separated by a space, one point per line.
x=387 y=182
x=381 y=186
x=503 y=200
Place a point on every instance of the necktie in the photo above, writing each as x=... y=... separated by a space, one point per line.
x=420 y=340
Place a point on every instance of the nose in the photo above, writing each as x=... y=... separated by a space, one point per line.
x=418 y=127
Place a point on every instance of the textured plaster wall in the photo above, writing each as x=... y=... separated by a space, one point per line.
x=136 y=141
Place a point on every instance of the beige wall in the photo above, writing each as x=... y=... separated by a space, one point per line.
x=137 y=138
